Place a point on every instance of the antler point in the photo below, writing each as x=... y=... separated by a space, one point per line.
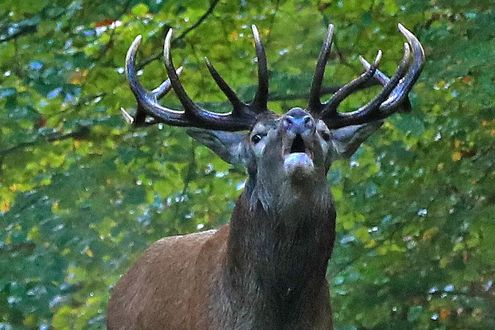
x=364 y=62
x=256 y=34
x=168 y=37
x=127 y=117
x=404 y=31
x=134 y=46
x=378 y=57
x=166 y=48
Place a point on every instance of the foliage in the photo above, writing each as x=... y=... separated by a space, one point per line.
x=82 y=195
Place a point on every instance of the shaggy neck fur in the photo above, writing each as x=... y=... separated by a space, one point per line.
x=278 y=250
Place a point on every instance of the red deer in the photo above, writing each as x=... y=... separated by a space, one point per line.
x=266 y=269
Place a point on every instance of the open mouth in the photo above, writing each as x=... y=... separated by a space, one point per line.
x=298 y=146
x=298 y=157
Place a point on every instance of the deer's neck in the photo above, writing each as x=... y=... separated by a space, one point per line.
x=277 y=256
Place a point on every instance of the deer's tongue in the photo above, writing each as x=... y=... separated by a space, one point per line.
x=297 y=160
x=298 y=163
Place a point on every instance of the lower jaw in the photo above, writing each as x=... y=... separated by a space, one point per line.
x=298 y=165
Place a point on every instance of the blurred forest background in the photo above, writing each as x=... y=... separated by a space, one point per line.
x=82 y=194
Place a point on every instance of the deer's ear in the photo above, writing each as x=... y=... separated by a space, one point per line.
x=230 y=146
x=346 y=140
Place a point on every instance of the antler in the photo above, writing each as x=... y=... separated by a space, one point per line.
x=242 y=117
x=392 y=97
x=140 y=93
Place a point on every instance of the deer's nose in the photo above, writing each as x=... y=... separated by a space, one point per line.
x=298 y=121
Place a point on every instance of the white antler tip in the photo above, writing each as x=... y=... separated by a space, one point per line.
x=364 y=62
x=137 y=41
x=378 y=57
x=256 y=33
x=168 y=37
x=127 y=117
x=404 y=30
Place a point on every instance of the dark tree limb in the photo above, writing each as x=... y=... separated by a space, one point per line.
x=18 y=29
x=181 y=36
x=324 y=91
x=26 y=248
x=80 y=133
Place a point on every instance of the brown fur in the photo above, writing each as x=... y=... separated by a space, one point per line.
x=211 y=280
x=143 y=299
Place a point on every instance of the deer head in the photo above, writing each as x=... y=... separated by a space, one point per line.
x=296 y=147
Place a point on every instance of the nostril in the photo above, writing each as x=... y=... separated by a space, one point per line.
x=298 y=125
x=308 y=121
x=288 y=122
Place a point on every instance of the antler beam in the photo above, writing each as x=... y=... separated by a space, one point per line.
x=392 y=97
x=242 y=117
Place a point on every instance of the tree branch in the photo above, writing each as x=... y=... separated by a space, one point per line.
x=16 y=30
x=80 y=133
x=324 y=91
x=184 y=33
x=200 y=20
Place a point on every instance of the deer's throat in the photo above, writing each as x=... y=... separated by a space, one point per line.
x=280 y=255
x=301 y=191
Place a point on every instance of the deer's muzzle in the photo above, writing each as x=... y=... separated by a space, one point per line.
x=298 y=126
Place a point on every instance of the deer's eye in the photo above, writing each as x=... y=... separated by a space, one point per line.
x=325 y=136
x=256 y=138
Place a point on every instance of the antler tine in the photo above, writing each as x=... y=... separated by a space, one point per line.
x=165 y=86
x=140 y=93
x=260 y=101
x=394 y=95
x=237 y=104
x=379 y=76
x=130 y=67
x=196 y=115
x=136 y=88
x=150 y=112
x=406 y=84
x=314 y=103
x=382 y=79
x=370 y=111
x=349 y=88
x=191 y=109
x=399 y=99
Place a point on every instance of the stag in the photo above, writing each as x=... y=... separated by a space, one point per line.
x=266 y=268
